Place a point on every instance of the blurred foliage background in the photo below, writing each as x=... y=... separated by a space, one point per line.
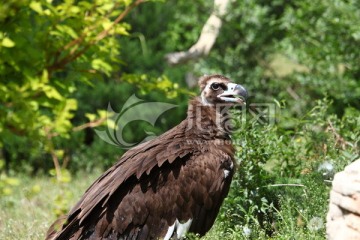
x=63 y=61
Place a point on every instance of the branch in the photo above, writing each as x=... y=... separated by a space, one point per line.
x=83 y=35
x=92 y=124
x=74 y=55
x=339 y=140
x=104 y=33
x=52 y=152
x=207 y=38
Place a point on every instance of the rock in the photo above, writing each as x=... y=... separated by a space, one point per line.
x=343 y=218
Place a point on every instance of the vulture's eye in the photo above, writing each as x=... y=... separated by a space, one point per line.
x=215 y=86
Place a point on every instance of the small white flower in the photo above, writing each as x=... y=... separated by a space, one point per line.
x=315 y=224
x=326 y=169
x=328 y=166
x=246 y=231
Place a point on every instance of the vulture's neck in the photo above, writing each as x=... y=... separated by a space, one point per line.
x=209 y=122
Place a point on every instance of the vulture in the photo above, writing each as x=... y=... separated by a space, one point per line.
x=168 y=186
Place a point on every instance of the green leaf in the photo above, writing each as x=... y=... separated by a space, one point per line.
x=101 y=65
x=90 y=116
x=127 y=2
x=59 y=153
x=7 y=42
x=67 y=30
x=51 y=92
x=36 y=6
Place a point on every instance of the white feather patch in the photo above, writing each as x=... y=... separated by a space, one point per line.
x=204 y=101
x=170 y=231
x=183 y=228
x=226 y=173
x=180 y=228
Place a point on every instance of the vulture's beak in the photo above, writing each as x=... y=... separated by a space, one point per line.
x=235 y=93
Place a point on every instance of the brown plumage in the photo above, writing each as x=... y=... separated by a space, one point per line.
x=167 y=186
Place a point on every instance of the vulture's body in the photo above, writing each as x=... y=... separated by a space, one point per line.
x=165 y=187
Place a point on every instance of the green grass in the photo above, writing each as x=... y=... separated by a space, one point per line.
x=31 y=208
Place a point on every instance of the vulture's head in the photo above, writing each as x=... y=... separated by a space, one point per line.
x=217 y=89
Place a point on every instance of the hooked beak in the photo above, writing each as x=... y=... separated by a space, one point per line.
x=235 y=93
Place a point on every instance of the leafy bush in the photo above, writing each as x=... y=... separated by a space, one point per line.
x=282 y=183
x=46 y=49
x=49 y=51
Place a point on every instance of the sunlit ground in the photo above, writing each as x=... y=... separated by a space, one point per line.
x=30 y=209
